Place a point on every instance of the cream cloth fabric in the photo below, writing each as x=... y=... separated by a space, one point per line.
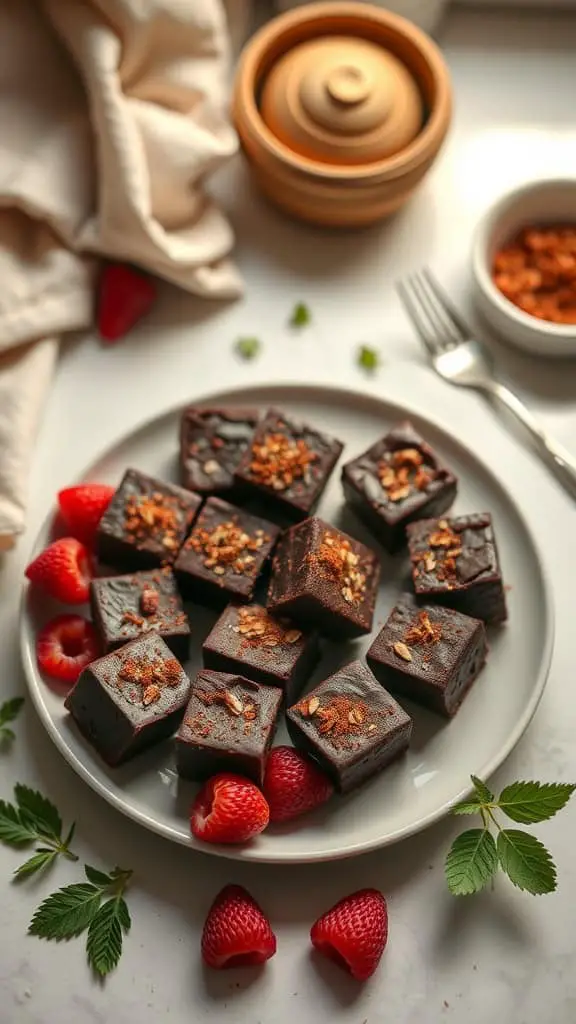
x=111 y=114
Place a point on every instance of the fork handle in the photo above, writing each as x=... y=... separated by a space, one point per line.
x=558 y=457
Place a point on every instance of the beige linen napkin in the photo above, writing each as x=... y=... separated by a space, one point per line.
x=112 y=113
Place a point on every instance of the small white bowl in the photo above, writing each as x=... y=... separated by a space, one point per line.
x=540 y=202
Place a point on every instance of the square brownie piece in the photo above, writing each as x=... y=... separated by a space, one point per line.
x=398 y=480
x=126 y=607
x=351 y=725
x=455 y=563
x=430 y=654
x=251 y=642
x=224 y=555
x=288 y=465
x=145 y=524
x=324 y=579
x=228 y=726
x=130 y=699
x=212 y=442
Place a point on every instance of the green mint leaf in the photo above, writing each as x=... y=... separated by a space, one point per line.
x=98 y=878
x=301 y=315
x=66 y=913
x=10 y=710
x=6 y=733
x=14 y=831
x=70 y=836
x=41 y=860
x=368 y=358
x=468 y=807
x=529 y=802
x=471 y=862
x=526 y=861
x=38 y=810
x=482 y=792
x=247 y=348
x=104 y=942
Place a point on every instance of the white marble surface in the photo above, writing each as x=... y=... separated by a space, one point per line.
x=500 y=956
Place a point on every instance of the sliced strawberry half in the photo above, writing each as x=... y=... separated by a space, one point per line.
x=82 y=508
x=236 y=932
x=228 y=809
x=125 y=296
x=63 y=570
x=65 y=646
x=354 y=932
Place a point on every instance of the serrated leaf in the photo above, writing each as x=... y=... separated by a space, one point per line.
x=104 y=942
x=124 y=914
x=471 y=862
x=529 y=802
x=526 y=861
x=41 y=860
x=36 y=808
x=10 y=710
x=13 y=831
x=66 y=913
x=467 y=807
x=98 y=878
x=70 y=835
x=482 y=791
x=6 y=733
x=300 y=315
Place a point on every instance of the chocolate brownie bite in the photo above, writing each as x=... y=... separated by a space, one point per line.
x=248 y=640
x=430 y=654
x=127 y=607
x=288 y=465
x=324 y=579
x=228 y=726
x=224 y=554
x=145 y=524
x=212 y=442
x=398 y=480
x=351 y=725
x=130 y=699
x=455 y=563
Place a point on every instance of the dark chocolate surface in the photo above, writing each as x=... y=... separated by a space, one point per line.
x=351 y=725
x=145 y=524
x=229 y=725
x=398 y=480
x=130 y=699
x=309 y=458
x=212 y=442
x=429 y=653
x=307 y=585
x=126 y=607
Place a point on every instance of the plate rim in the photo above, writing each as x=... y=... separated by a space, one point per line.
x=354 y=849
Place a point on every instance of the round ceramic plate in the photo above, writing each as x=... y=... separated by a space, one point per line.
x=420 y=787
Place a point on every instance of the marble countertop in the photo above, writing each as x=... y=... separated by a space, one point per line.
x=501 y=955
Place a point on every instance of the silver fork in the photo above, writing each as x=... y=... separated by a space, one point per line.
x=462 y=360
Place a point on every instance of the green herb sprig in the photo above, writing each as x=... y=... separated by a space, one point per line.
x=9 y=712
x=34 y=819
x=476 y=855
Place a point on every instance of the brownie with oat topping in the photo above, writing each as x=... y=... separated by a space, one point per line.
x=350 y=725
x=228 y=726
x=248 y=640
x=224 y=555
x=212 y=442
x=126 y=607
x=145 y=524
x=429 y=653
x=325 y=580
x=130 y=699
x=455 y=563
x=287 y=465
x=398 y=480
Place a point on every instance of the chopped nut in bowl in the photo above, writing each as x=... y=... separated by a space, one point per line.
x=524 y=267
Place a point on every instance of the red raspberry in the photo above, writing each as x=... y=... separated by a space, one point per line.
x=65 y=646
x=82 y=508
x=228 y=809
x=293 y=784
x=236 y=932
x=354 y=932
x=125 y=296
x=63 y=570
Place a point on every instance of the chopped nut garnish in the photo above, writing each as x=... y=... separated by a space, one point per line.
x=336 y=560
x=401 y=472
x=313 y=705
x=210 y=467
x=149 y=601
x=151 y=694
x=402 y=651
x=226 y=547
x=131 y=619
x=230 y=701
x=279 y=460
x=258 y=629
x=155 y=515
x=423 y=631
x=151 y=674
x=340 y=716
x=235 y=706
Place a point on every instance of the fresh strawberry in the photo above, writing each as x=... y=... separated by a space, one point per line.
x=82 y=508
x=65 y=646
x=354 y=932
x=228 y=809
x=125 y=296
x=236 y=932
x=63 y=570
x=293 y=784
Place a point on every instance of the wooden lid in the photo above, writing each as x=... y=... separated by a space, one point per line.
x=341 y=100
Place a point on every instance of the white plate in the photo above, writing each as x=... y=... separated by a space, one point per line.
x=419 y=788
